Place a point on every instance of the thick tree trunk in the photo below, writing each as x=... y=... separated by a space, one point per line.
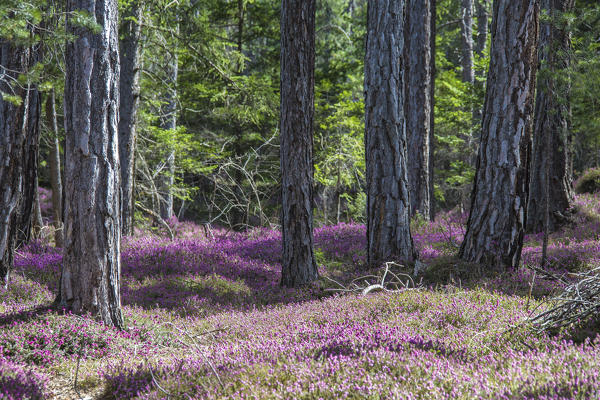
x=418 y=70
x=30 y=164
x=91 y=262
x=55 y=175
x=495 y=227
x=13 y=139
x=296 y=121
x=466 y=36
x=129 y=88
x=551 y=126
x=388 y=202
x=169 y=122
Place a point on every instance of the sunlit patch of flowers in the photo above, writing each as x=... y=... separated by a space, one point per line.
x=208 y=319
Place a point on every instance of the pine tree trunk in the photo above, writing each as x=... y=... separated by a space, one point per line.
x=13 y=135
x=129 y=88
x=296 y=121
x=388 y=202
x=495 y=226
x=418 y=74
x=482 y=26
x=91 y=269
x=30 y=163
x=55 y=175
x=38 y=222
x=466 y=36
x=551 y=126
x=169 y=122
x=432 y=111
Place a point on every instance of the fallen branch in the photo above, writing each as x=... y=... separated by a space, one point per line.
x=577 y=302
x=387 y=281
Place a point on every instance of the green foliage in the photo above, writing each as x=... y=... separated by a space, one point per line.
x=589 y=182
x=585 y=81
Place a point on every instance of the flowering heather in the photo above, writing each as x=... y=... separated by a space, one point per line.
x=207 y=319
x=19 y=381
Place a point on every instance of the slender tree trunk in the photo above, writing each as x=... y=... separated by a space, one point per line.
x=30 y=163
x=480 y=45
x=482 y=7
x=37 y=222
x=495 y=226
x=432 y=111
x=13 y=139
x=418 y=73
x=129 y=88
x=388 y=202
x=551 y=126
x=296 y=121
x=466 y=36
x=91 y=270
x=55 y=175
x=169 y=122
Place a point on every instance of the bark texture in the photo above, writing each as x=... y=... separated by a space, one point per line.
x=466 y=36
x=496 y=222
x=55 y=174
x=296 y=121
x=129 y=88
x=388 y=202
x=91 y=256
x=482 y=7
x=13 y=139
x=418 y=70
x=551 y=126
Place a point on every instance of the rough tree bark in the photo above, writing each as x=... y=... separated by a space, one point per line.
x=129 y=88
x=551 y=124
x=466 y=36
x=495 y=226
x=296 y=121
x=55 y=175
x=91 y=257
x=418 y=72
x=13 y=138
x=388 y=202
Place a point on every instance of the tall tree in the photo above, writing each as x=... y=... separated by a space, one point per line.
x=551 y=126
x=15 y=108
x=496 y=221
x=418 y=74
x=55 y=175
x=388 y=202
x=169 y=122
x=482 y=7
x=466 y=36
x=296 y=123
x=432 y=49
x=30 y=161
x=129 y=89
x=90 y=275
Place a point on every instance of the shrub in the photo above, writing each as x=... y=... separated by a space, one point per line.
x=588 y=182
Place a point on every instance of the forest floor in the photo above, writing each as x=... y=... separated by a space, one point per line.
x=207 y=319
